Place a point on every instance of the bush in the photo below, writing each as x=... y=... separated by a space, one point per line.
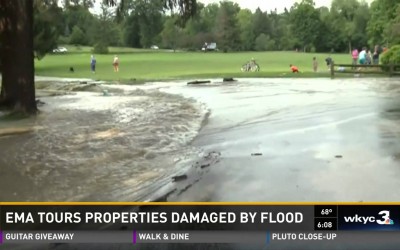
x=391 y=56
x=100 y=48
x=63 y=40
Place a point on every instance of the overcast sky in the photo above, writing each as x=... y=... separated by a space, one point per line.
x=267 y=5
x=264 y=5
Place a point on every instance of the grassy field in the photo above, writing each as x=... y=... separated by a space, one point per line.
x=164 y=65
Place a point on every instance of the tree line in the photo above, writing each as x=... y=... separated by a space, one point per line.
x=344 y=25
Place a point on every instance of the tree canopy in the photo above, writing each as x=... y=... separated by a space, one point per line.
x=188 y=24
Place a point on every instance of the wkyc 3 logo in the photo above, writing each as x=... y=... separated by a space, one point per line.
x=384 y=220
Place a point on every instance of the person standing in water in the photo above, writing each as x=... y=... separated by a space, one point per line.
x=93 y=64
x=116 y=63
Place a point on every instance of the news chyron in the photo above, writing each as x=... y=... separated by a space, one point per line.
x=291 y=226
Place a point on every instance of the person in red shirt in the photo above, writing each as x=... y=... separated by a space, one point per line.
x=294 y=69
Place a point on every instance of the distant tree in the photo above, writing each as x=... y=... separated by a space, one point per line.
x=264 y=42
x=247 y=35
x=47 y=19
x=171 y=33
x=383 y=15
x=306 y=23
x=227 y=30
x=261 y=23
x=131 y=31
x=79 y=16
x=394 y=28
x=77 y=36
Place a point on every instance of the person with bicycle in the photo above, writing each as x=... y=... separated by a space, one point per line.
x=253 y=62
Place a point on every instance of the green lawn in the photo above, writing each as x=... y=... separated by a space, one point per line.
x=163 y=65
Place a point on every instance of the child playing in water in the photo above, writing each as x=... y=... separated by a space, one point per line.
x=294 y=68
x=315 y=64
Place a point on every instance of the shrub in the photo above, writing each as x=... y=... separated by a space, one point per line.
x=100 y=48
x=63 y=40
x=391 y=56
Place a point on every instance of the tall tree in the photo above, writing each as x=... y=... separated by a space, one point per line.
x=344 y=14
x=261 y=23
x=227 y=26
x=131 y=31
x=170 y=34
x=247 y=35
x=305 y=23
x=394 y=28
x=383 y=13
x=47 y=25
x=16 y=34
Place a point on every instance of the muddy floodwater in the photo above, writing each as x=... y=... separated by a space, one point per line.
x=119 y=145
x=275 y=140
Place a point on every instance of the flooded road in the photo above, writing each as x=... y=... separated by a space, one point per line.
x=87 y=146
x=320 y=140
x=314 y=140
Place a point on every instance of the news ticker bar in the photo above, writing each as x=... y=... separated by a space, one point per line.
x=201 y=217
x=198 y=237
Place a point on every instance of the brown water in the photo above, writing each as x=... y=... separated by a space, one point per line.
x=90 y=147
x=126 y=147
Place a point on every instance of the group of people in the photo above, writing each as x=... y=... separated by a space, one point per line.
x=328 y=61
x=93 y=63
x=365 y=57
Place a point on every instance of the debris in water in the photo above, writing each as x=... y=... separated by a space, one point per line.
x=256 y=154
x=179 y=178
x=198 y=82
x=339 y=156
x=162 y=198
x=39 y=102
x=185 y=189
x=228 y=79
x=205 y=165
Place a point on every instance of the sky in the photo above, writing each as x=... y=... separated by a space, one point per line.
x=264 y=5
x=267 y=5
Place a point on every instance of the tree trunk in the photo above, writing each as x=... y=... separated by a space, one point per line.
x=350 y=49
x=16 y=37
